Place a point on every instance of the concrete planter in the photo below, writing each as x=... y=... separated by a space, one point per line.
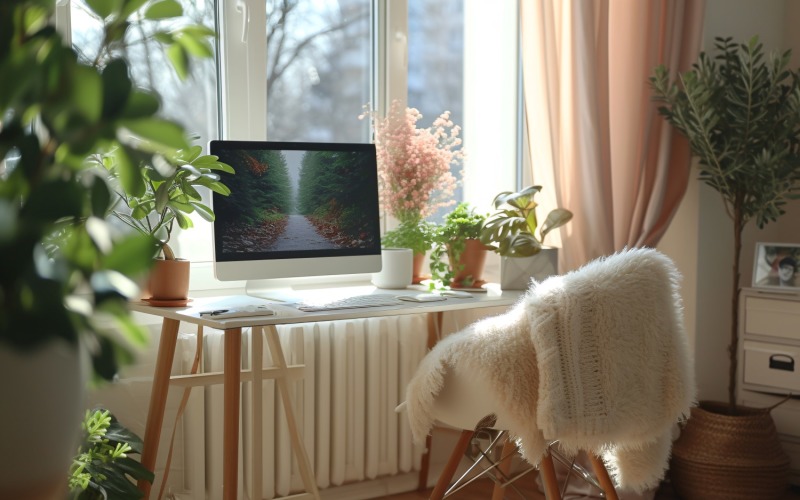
x=516 y=272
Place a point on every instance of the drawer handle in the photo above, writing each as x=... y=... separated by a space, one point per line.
x=781 y=362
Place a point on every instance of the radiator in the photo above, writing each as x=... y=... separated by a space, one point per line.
x=355 y=375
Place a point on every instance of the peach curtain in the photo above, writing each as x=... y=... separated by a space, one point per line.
x=595 y=138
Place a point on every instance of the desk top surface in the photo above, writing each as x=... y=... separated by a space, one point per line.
x=286 y=311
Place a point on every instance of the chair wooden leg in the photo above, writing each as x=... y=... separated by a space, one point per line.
x=548 y=471
x=603 y=478
x=425 y=465
x=451 y=465
x=509 y=447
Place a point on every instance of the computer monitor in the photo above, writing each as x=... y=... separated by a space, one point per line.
x=296 y=209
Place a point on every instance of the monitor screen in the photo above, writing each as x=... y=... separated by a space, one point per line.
x=296 y=209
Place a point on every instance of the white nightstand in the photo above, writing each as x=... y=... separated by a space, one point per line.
x=769 y=361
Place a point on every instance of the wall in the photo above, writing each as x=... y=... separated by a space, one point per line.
x=700 y=239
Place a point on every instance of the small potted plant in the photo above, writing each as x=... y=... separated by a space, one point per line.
x=458 y=239
x=511 y=232
x=168 y=193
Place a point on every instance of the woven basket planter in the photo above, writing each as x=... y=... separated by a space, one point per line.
x=729 y=457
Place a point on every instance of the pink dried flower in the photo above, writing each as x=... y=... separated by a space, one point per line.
x=414 y=164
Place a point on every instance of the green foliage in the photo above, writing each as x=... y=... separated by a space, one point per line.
x=170 y=191
x=740 y=111
x=449 y=239
x=103 y=467
x=511 y=231
x=416 y=234
x=65 y=271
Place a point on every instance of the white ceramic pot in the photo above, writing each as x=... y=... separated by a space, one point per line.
x=516 y=273
x=43 y=400
x=397 y=268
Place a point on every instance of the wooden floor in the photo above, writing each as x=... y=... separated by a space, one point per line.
x=482 y=490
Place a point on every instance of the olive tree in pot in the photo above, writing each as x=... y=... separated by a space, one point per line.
x=740 y=111
x=64 y=282
x=511 y=232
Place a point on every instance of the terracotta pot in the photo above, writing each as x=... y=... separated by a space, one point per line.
x=169 y=280
x=418 y=276
x=473 y=259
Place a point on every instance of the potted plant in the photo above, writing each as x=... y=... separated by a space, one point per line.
x=511 y=232
x=740 y=112
x=167 y=194
x=414 y=174
x=64 y=282
x=104 y=466
x=458 y=239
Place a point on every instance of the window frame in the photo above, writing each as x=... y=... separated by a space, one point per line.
x=241 y=49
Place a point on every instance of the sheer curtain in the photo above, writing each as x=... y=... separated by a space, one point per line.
x=596 y=141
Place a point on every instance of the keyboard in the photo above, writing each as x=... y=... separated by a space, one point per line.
x=354 y=302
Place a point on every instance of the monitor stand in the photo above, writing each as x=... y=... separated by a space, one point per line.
x=294 y=290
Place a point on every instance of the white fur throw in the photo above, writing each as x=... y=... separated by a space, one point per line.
x=596 y=358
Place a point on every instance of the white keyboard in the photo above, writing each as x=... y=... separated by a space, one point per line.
x=354 y=302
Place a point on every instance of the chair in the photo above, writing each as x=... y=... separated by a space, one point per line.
x=464 y=400
x=596 y=359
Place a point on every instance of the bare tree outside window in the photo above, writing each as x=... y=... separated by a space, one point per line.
x=436 y=66
x=318 y=69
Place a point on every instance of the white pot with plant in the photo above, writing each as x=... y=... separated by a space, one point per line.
x=65 y=279
x=740 y=112
x=511 y=232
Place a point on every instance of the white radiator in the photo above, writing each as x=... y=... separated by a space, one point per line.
x=356 y=372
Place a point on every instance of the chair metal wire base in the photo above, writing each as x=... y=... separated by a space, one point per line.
x=486 y=460
x=485 y=453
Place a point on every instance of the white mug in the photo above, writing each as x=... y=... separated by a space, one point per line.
x=397 y=268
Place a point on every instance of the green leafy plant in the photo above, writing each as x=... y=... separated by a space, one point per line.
x=65 y=271
x=740 y=112
x=169 y=192
x=104 y=467
x=449 y=239
x=416 y=234
x=511 y=231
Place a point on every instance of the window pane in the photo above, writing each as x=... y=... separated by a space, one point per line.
x=318 y=69
x=436 y=65
x=193 y=103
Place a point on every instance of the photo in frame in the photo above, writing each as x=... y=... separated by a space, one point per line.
x=777 y=265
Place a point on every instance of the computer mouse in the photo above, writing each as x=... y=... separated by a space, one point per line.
x=422 y=297
x=456 y=293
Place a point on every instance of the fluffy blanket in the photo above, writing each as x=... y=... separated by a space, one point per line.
x=596 y=358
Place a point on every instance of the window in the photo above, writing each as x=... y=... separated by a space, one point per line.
x=308 y=73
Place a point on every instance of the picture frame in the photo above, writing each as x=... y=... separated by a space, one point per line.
x=777 y=266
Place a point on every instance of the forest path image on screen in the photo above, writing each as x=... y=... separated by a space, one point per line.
x=300 y=234
x=284 y=201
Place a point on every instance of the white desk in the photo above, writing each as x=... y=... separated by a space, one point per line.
x=233 y=375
